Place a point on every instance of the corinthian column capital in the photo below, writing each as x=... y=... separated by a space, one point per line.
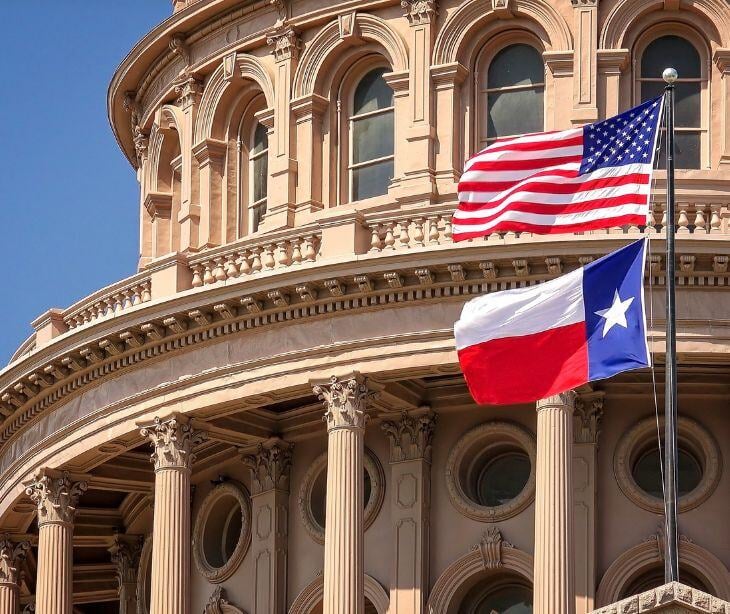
x=411 y=436
x=125 y=552
x=173 y=439
x=419 y=11
x=270 y=466
x=345 y=400
x=11 y=555
x=558 y=401
x=56 y=496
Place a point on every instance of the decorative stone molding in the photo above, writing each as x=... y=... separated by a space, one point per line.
x=180 y=48
x=125 y=552
x=419 y=11
x=311 y=596
x=285 y=42
x=587 y=415
x=672 y=598
x=218 y=604
x=463 y=570
x=699 y=441
x=207 y=570
x=173 y=440
x=410 y=437
x=345 y=401
x=12 y=555
x=490 y=433
x=580 y=3
x=372 y=506
x=270 y=466
x=56 y=496
x=188 y=90
x=649 y=555
x=490 y=547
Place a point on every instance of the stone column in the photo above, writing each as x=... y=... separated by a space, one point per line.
x=56 y=497
x=125 y=553
x=587 y=418
x=173 y=439
x=410 y=480
x=611 y=64
x=346 y=414
x=269 y=512
x=11 y=555
x=554 y=506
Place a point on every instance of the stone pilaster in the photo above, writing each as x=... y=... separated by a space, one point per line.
x=418 y=180
x=585 y=80
x=586 y=421
x=56 y=496
x=12 y=555
x=285 y=44
x=270 y=467
x=345 y=401
x=722 y=61
x=410 y=478
x=554 y=506
x=125 y=553
x=173 y=440
x=611 y=64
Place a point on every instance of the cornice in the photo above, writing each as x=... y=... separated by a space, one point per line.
x=81 y=359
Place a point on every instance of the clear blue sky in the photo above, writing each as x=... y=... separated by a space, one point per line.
x=68 y=197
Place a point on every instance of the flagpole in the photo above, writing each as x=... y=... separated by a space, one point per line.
x=671 y=560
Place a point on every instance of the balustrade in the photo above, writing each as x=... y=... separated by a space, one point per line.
x=109 y=302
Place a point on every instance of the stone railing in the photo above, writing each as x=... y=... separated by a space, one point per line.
x=253 y=255
x=109 y=301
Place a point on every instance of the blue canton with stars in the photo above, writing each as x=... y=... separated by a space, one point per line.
x=628 y=138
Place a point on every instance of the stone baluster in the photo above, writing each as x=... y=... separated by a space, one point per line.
x=219 y=273
x=197 y=281
x=125 y=552
x=173 y=440
x=554 y=552
x=389 y=235
x=12 y=555
x=346 y=414
x=683 y=220
x=410 y=476
x=433 y=230
x=418 y=235
x=56 y=496
x=376 y=243
x=270 y=468
x=404 y=237
x=715 y=219
x=208 y=275
x=700 y=223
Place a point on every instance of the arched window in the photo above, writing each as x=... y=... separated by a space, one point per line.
x=654 y=578
x=511 y=94
x=504 y=595
x=678 y=52
x=372 y=127
x=258 y=159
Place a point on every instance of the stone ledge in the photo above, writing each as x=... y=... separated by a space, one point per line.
x=672 y=598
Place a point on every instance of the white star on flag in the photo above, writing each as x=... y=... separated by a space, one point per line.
x=616 y=313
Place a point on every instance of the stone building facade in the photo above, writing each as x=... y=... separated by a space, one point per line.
x=269 y=416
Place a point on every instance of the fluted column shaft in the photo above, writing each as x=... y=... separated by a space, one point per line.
x=56 y=497
x=173 y=439
x=344 y=575
x=554 y=506
x=9 y=602
x=125 y=552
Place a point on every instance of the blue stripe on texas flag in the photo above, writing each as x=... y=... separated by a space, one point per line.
x=628 y=138
x=615 y=314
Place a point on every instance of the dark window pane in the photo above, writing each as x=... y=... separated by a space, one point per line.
x=515 y=112
x=373 y=93
x=259 y=177
x=372 y=137
x=672 y=51
x=648 y=477
x=686 y=150
x=258 y=214
x=651 y=89
x=687 y=105
x=260 y=139
x=507 y=600
x=503 y=479
x=371 y=180
x=516 y=65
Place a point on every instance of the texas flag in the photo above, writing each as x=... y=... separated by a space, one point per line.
x=518 y=346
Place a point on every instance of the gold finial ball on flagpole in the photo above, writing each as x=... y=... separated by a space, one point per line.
x=670 y=75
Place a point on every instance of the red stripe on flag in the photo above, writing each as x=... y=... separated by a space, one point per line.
x=521 y=369
x=534 y=145
x=552 y=229
x=522 y=165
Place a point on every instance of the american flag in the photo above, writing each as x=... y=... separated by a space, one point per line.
x=597 y=176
